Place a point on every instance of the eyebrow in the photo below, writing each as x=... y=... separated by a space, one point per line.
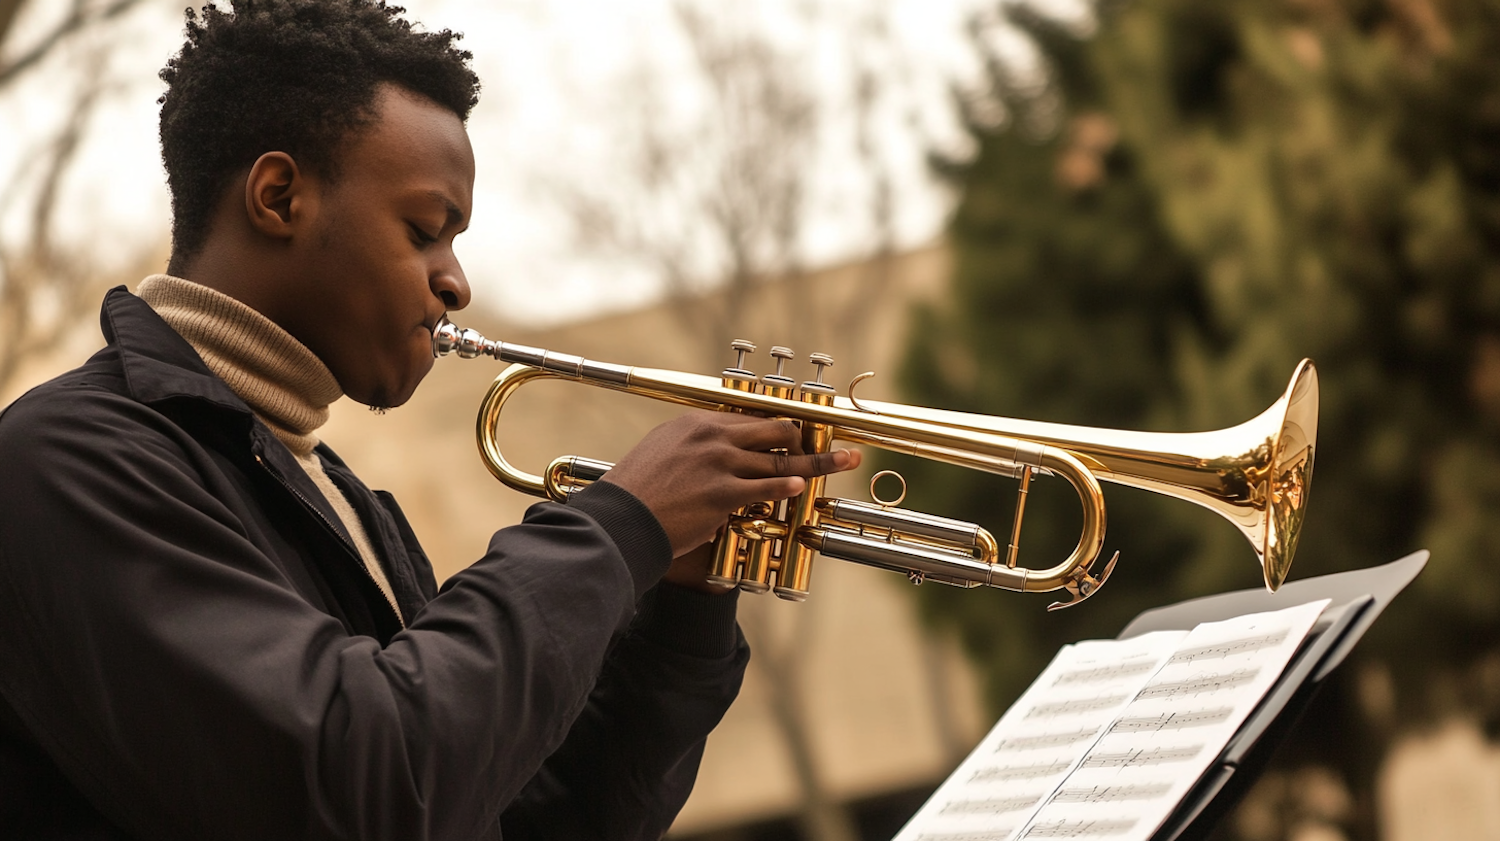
x=455 y=215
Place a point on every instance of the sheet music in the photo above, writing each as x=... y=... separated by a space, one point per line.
x=1040 y=739
x=1114 y=733
x=1155 y=750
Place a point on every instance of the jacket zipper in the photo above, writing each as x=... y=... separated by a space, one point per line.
x=312 y=509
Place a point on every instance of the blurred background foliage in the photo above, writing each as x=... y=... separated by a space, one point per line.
x=1190 y=198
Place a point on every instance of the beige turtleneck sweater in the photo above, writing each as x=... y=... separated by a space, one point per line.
x=283 y=382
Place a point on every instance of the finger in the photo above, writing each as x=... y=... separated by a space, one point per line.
x=756 y=465
x=763 y=434
x=819 y=464
x=772 y=488
x=746 y=464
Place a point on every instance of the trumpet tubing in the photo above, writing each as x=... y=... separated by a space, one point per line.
x=1255 y=475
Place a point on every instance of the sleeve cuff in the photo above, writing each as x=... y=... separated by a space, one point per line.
x=634 y=529
x=688 y=621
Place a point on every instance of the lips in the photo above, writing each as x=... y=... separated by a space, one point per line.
x=431 y=324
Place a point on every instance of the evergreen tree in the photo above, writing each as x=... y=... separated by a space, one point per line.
x=1202 y=195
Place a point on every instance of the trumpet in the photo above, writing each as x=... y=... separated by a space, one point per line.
x=1256 y=475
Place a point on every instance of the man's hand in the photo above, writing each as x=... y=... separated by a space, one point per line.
x=696 y=470
x=690 y=570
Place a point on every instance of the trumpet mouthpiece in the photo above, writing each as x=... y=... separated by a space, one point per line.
x=449 y=338
x=444 y=337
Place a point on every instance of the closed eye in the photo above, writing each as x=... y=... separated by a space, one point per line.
x=421 y=236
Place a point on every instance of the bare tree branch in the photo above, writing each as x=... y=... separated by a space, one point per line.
x=40 y=267
x=45 y=284
x=81 y=17
x=8 y=12
x=721 y=203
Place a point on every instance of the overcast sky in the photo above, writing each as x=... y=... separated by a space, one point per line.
x=556 y=75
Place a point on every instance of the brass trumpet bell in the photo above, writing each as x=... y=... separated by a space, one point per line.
x=1256 y=474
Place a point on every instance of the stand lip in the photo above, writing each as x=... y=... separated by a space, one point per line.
x=1381 y=582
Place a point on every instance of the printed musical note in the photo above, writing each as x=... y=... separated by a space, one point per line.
x=1172 y=721
x=1075 y=706
x=1106 y=674
x=1047 y=740
x=1001 y=834
x=991 y=806
x=1019 y=772
x=1198 y=685
x=1137 y=758
x=1108 y=794
x=1080 y=829
x=1228 y=649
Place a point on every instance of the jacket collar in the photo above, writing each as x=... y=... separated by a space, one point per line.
x=159 y=364
x=161 y=367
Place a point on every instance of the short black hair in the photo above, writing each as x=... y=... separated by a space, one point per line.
x=294 y=76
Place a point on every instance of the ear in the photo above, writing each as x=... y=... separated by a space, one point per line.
x=276 y=195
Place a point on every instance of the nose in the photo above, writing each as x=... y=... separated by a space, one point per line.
x=450 y=285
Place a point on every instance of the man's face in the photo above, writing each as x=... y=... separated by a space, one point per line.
x=379 y=263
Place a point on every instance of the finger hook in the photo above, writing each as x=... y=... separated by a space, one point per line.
x=855 y=400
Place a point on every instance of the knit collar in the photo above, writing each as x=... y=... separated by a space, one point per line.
x=281 y=380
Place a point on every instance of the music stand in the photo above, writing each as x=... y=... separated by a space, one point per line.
x=1357 y=598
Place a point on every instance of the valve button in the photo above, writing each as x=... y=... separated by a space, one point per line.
x=781 y=355
x=823 y=361
x=741 y=347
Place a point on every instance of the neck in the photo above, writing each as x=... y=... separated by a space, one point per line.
x=283 y=382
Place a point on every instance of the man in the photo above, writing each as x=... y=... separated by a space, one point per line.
x=212 y=629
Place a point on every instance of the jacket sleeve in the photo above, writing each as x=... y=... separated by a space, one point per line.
x=165 y=663
x=631 y=758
